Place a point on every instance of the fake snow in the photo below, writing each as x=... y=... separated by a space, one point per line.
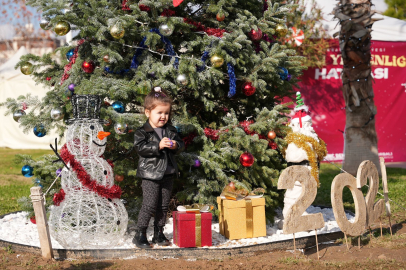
x=17 y=228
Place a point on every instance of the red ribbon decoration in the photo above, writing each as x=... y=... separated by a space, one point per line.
x=109 y=193
x=72 y=61
x=59 y=197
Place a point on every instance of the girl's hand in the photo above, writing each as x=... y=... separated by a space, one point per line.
x=165 y=142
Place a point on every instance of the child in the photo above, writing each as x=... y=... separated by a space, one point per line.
x=156 y=143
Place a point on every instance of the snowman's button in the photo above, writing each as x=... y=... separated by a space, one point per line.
x=118 y=222
x=105 y=172
x=109 y=199
x=91 y=127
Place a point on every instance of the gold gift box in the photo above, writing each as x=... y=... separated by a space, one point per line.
x=243 y=218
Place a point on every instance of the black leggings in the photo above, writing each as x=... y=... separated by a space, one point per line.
x=155 y=201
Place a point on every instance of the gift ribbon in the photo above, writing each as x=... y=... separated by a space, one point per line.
x=198 y=229
x=249 y=214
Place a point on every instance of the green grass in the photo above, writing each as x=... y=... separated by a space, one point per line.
x=7 y=164
x=396 y=186
x=12 y=184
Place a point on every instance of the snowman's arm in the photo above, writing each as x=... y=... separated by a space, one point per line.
x=143 y=146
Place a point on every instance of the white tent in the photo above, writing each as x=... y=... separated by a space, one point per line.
x=13 y=84
x=387 y=29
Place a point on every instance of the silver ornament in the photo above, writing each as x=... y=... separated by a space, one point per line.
x=182 y=79
x=57 y=114
x=17 y=115
x=45 y=23
x=120 y=128
x=166 y=29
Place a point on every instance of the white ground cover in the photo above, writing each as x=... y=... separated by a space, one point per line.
x=17 y=228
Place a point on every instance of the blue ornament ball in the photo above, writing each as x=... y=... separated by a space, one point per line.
x=38 y=182
x=39 y=131
x=69 y=54
x=283 y=73
x=178 y=130
x=27 y=171
x=118 y=106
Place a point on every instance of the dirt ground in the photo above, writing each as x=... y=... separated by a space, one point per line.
x=387 y=252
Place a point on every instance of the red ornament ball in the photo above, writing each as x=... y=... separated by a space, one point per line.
x=248 y=89
x=256 y=35
x=271 y=135
x=119 y=178
x=33 y=220
x=246 y=159
x=88 y=67
x=49 y=78
x=220 y=17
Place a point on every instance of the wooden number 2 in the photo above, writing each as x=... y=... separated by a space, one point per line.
x=367 y=169
x=347 y=180
x=294 y=221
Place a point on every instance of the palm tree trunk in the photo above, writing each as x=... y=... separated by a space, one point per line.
x=355 y=45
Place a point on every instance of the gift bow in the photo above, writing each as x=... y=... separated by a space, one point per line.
x=195 y=208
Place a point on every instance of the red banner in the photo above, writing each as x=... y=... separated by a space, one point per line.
x=321 y=89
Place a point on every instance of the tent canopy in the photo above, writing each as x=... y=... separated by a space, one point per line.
x=12 y=85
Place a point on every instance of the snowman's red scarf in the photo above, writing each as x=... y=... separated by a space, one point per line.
x=109 y=193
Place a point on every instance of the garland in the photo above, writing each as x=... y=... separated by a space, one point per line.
x=72 y=61
x=315 y=148
x=112 y=192
x=59 y=197
x=214 y=134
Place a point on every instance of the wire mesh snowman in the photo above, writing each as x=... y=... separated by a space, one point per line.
x=89 y=216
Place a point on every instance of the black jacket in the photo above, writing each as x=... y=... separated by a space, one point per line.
x=152 y=161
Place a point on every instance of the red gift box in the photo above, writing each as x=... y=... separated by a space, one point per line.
x=186 y=230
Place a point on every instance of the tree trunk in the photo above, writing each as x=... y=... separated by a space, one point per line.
x=355 y=45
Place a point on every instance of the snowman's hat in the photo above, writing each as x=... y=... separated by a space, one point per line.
x=86 y=107
x=301 y=111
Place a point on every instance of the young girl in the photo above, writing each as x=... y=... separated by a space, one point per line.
x=156 y=143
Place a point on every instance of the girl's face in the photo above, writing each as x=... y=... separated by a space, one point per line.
x=159 y=115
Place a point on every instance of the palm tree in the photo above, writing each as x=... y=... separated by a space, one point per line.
x=355 y=45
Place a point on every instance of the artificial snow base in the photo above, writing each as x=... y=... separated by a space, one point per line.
x=16 y=228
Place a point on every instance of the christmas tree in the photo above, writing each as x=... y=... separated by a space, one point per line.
x=221 y=61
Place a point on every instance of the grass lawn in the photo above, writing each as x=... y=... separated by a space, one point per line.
x=396 y=185
x=13 y=185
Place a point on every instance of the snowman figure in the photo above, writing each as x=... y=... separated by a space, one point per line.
x=88 y=213
x=304 y=148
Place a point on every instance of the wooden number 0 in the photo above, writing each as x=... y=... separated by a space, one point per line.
x=366 y=212
x=294 y=221
x=347 y=180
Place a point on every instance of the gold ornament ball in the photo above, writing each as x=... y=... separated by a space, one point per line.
x=281 y=30
x=117 y=31
x=217 y=61
x=26 y=68
x=62 y=28
x=271 y=135
x=106 y=58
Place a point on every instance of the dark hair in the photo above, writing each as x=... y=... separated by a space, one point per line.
x=155 y=97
